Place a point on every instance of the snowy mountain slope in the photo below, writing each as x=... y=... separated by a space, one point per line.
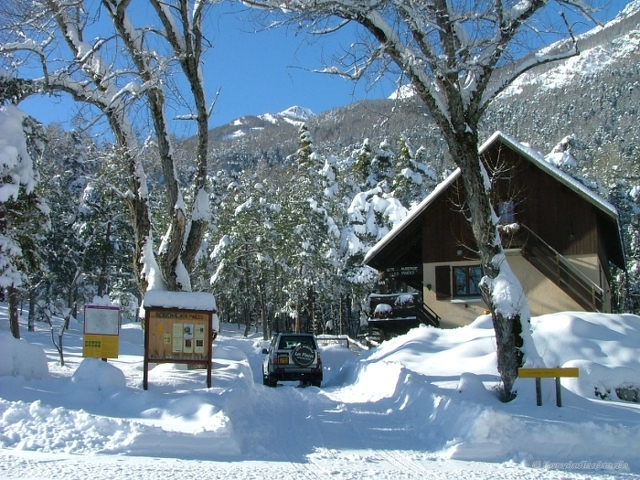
x=254 y=124
x=600 y=49
x=617 y=40
x=594 y=96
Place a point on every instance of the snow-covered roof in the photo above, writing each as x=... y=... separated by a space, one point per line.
x=526 y=152
x=200 y=301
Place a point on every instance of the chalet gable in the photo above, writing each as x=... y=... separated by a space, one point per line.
x=405 y=244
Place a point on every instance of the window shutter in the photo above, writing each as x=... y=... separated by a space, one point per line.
x=443 y=282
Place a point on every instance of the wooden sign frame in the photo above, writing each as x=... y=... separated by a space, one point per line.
x=178 y=335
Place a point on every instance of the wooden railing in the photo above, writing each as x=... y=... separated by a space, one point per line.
x=417 y=308
x=434 y=318
x=556 y=267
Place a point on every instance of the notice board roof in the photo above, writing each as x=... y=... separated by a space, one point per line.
x=201 y=301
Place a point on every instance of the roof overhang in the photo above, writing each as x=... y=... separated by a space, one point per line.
x=609 y=212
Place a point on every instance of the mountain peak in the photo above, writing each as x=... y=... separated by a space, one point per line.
x=256 y=124
x=294 y=115
x=296 y=112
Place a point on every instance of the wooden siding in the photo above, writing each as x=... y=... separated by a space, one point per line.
x=563 y=219
x=446 y=234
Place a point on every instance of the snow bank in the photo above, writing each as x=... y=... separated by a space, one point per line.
x=17 y=357
x=94 y=374
x=428 y=394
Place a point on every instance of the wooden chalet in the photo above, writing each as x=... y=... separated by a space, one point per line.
x=559 y=238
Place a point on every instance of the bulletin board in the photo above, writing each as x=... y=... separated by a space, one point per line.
x=178 y=335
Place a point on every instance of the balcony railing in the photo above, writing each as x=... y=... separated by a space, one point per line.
x=556 y=267
x=402 y=306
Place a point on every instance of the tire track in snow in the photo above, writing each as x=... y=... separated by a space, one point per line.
x=301 y=414
x=404 y=464
x=304 y=402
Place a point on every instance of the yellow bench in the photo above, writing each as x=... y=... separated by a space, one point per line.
x=539 y=373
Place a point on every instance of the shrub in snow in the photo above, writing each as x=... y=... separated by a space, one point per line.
x=18 y=357
x=629 y=393
x=94 y=374
x=600 y=381
x=382 y=310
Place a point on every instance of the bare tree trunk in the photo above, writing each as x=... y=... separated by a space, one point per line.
x=247 y=320
x=296 y=326
x=347 y=328
x=167 y=258
x=14 y=324
x=190 y=61
x=104 y=272
x=341 y=314
x=263 y=309
x=141 y=224
x=312 y=311
x=32 y=309
x=57 y=344
x=507 y=325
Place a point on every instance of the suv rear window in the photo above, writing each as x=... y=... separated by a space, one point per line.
x=288 y=343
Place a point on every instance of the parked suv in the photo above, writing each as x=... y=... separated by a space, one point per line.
x=292 y=356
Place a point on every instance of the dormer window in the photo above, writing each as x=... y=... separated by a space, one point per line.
x=506 y=213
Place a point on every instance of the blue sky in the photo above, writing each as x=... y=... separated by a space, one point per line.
x=270 y=70
x=256 y=70
x=263 y=71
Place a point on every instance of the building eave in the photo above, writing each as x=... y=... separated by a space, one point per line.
x=414 y=213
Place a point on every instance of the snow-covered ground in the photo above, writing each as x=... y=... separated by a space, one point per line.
x=420 y=406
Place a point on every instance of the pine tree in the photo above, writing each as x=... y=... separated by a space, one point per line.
x=23 y=213
x=362 y=160
x=412 y=180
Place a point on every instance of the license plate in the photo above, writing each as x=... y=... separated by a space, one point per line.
x=283 y=360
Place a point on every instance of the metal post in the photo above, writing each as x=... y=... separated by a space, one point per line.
x=538 y=391
x=558 y=394
x=145 y=375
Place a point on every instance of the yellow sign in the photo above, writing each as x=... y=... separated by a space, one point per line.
x=100 y=346
x=101 y=331
x=548 y=372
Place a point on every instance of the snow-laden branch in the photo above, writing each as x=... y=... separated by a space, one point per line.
x=505 y=76
x=172 y=32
